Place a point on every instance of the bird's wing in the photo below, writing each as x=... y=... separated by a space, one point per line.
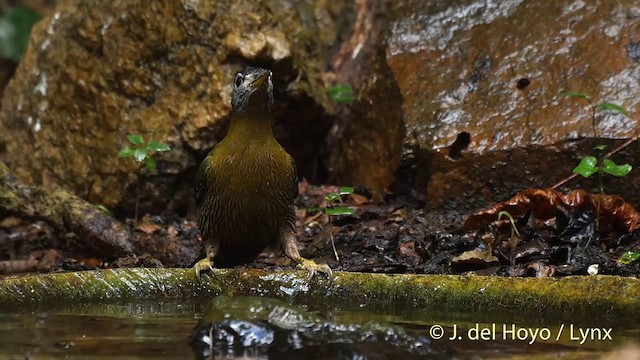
x=204 y=178
x=294 y=188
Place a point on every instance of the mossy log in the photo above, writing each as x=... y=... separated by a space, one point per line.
x=66 y=212
x=604 y=295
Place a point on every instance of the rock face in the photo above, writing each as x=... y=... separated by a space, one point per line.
x=495 y=69
x=458 y=64
x=424 y=73
x=97 y=71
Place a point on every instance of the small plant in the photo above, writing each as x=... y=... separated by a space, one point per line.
x=514 y=229
x=629 y=257
x=341 y=93
x=103 y=209
x=590 y=165
x=335 y=208
x=513 y=240
x=599 y=164
x=142 y=153
x=594 y=107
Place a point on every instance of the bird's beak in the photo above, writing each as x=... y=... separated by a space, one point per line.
x=260 y=80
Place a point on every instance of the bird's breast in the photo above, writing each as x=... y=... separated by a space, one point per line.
x=255 y=181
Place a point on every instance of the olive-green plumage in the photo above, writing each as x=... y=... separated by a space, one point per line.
x=247 y=184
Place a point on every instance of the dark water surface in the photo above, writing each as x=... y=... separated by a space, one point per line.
x=162 y=330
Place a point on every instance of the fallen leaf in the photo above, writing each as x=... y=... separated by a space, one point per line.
x=149 y=228
x=474 y=257
x=172 y=231
x=10 y=222
x=399 y=215
x=408 y=250
x=615 y=213
x=48 y=260
x=358 y=199
x=91 y=263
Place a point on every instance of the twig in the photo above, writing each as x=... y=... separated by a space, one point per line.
x=333 y=245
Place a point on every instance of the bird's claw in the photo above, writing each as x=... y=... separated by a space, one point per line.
x=312 y=267
x=204 y=265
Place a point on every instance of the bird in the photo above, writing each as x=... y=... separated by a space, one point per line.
x=247 y=184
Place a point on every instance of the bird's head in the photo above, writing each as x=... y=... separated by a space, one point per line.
x=252 y=91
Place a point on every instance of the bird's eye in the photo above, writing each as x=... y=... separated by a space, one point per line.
x=238 y=80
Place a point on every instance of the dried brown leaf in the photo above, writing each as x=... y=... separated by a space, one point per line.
x=358 y=199
x=149 y=228
x=545 y=204
x=474 y=257
x=10 y=222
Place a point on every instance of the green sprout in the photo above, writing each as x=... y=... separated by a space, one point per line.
x=513 y=240
x=590 y=165
x=604 y=106
x=341 y=93
x=335 y=208
x=104 y=209
x=514 y=229
x=599 y=164
x=142 y=153
x=629 y=257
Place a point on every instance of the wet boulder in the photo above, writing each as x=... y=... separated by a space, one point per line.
x=479 y=85
x=98 y=71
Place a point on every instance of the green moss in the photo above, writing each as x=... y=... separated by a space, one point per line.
x=589 y=294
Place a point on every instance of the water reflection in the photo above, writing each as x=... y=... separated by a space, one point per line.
x=263 y=328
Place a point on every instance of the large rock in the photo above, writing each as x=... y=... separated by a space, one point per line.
x=457 y=65
x=96 y=71
x=423 y=72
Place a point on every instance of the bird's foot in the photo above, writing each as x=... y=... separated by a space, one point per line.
x=312 y=267
x=203 y=265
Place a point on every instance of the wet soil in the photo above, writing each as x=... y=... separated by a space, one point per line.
x=395 y=236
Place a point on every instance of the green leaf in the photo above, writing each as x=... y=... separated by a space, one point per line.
x=613 y=107
x=346 y=190
x=157 y=146
x=587 y=167
x=614 y=169
x=339 y=210
x=126 y=152
x=629 y=257
x=331 y=197
x=341 y=93
x=315 y=208
x=600 y=147
x=15 y=28
x=140 y=154
x=513 y=223
x=576 y=94
x=103 y=209
x=150 y=163
x=135 y=139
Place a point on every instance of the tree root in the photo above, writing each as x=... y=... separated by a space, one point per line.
x=66 y=212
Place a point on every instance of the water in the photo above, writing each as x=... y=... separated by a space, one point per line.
x=162 y=330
